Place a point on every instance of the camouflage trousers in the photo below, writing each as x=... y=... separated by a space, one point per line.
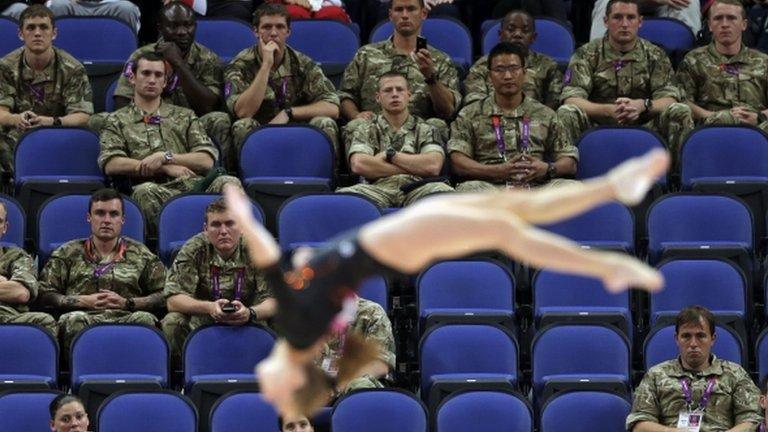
x=72 y=323
x=176 y=327
x=151 y=196
x=348 y=131
x=484 y=186
x=241 y=128
x=9 y=315
x=386 y=192
x=673 y=124
x=7 y=152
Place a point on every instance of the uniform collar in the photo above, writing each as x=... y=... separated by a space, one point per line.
x=27 y=74
x=137 y=114
x=715 y=368
x=490 y=108
x=409 y=125
x=611 y=53
x=741 y=57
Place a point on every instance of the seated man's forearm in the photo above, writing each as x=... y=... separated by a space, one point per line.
x=61 y=302
x=152 y=302
x=266 y=309
x=122 y=166
x=199 y=162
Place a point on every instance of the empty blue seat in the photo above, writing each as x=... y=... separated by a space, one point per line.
x=330 y=43
x=446 y=34
x=26 y=410
x=9 y=35
x=375 y=289
x=761 y=352
x=599 y=150
x=660 y=346
x=610 y=226
x=226 y=37
x=485 y=411
x=673 y=35
x=585 y=411
x=379 y=410
x=243 y=412
x=159 y=411
x=109 y=39
x=30 y=357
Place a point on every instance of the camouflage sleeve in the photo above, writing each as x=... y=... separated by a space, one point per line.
x=23 y=271
x=378 y=328
x=153 y=276
x=645 y=405
x=183 y=277
x=363 y=140
x=476 y=83
x=198 y=140
x=559 y=142
x=449 y=77
x=78 y=96
x=554 y=80
x=317 y=87
x=263 y=291
x=428 y=140
x=53 y=278
x=746 y=396
x=7 y=89
x=351 y=82
x=577 y=80
x=461 y=134
x=210 y=73
x=663 y=79
x=112 y=141
x=686 y=80
x=236 y=81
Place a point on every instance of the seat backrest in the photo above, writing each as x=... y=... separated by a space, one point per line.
x=594 y=410
x=318 y=217
x=500 y=411
x=9 y=35
x=62 y=218
x=660 y=346
x=243 y=412
x=26 y=410
x=182 y=217
x=28 y=350
x=287 y=151
x=40 y=152
x=221 y=349
x=224 y=36
x=698 y=218
x=375 y=289
x=16 y=218
x=671 y=34
x=718 y=285
x=445 y=34
x=703 y=153
x=394 y=411
x=109 y=96
x=106 y=349
x=158 y=411
x=481 y=284
x=761 y=351
x=553 y=39
x=110 y=40
x=552 y=290
x=467 y=348
x=579 y=349
x=611 y=223
x=599 y=152
x=324 y=41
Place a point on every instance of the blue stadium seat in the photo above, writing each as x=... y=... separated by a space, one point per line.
x=62 y=218
x=599 y=152
x=761 y=352
x=485 y=411
x=221 y=358
x=673 y=35
x=277 y=162
x=660 y=346
x=9 y=35
x=226 y=37
x=181 y=218
x=609 y=226
x=243 y=412
x=109 y=101
x=313 y=219
x=109 y=39
x=375 y=289
x=585 y=411
x=446 y=34
x=466 y=356
x=330 y=43
x=466 y=292
x=553 y=39
x=27 y=410
x=158 y=411
x=17 y=220
x=393 y=411
x=30 y=358
x=579 y=357
x=560 y=297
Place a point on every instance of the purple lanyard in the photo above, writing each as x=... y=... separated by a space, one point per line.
x=99 y=270
x=239 y=279
x=38 y=92
x=173 y=81
x=688 y=395
x=281 y=92
x=761 y=428
x=619 y=65
x=497 y=129
x=526 y=134
x=730 y=68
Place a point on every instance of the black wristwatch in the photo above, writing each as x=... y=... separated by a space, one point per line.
x=253 y=316
x=56 y=121
x=648 y=104
x=390 y=154
x=289 y=113
x=551 y=170
x=761 y=117
x=130 y=304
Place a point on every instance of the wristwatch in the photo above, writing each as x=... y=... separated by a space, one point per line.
x=168 y=157
x=130 y=304
x=56 y=121
x=390 y=154
x=648 y=104
x=761 y=117
x=551 y=170
x=289 y=113
x=252 y=314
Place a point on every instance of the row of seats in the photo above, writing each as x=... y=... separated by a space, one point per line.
x=370 y=411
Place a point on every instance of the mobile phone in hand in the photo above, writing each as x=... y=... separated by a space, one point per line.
x=229 y=308
x=421 y=43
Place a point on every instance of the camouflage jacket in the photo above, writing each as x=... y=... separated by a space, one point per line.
x=16 y=265
x=297 y=81
x=716 y=82
x=543 y=80
x=361 y=78
x=659 y=397
x=71 y=270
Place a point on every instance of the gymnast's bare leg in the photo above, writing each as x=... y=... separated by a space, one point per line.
x=451 y=226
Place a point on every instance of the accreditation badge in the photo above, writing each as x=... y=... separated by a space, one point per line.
x=690 y=421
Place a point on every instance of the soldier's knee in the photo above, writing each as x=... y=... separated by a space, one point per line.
x=475 y=186
x=172 y=321
x=218 y=184
x=142 y=317
x=678 y=112
x=74 y=321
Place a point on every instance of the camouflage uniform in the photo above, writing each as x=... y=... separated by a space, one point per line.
x=601 y=74
x=361 y=81
x=718 y=83
x=659 y=397
x=17 y=266
x=415 y=136
x=61 y=89
x=473 y=135
x=304 y=84
x=71 y=270
x=190 y=274
x=371 y=322
x=206 y=67
x=543 y=80
x=128 y=133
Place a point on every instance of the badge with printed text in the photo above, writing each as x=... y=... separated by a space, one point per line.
x=690 y=421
